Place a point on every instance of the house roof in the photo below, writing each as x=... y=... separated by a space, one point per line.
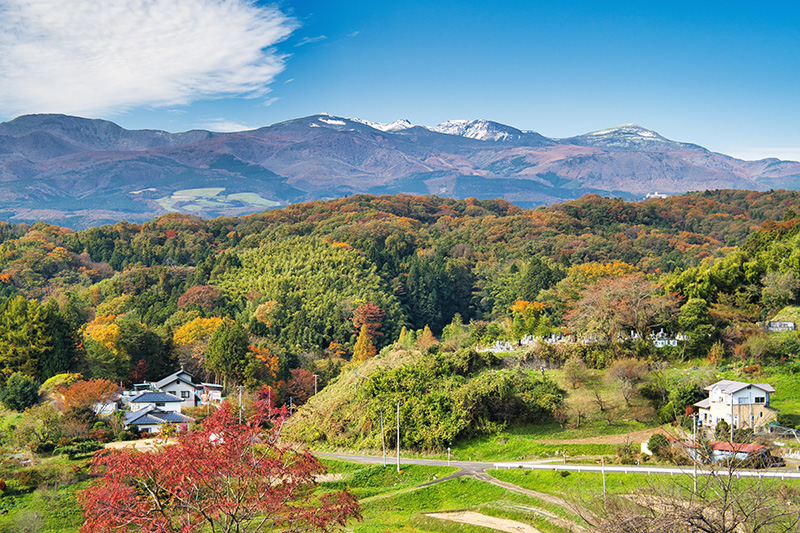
x=727 y=386
x=153 y=415
x=704 y=404
x=737 y=447
x=180 y=375
x=153 y=397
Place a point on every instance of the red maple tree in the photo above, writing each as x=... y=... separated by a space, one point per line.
x=369 y=315
x=226 y=477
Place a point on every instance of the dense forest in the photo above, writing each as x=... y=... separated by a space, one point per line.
x=275 y=297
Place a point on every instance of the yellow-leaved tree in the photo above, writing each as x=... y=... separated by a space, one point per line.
x=364 y=349
x=192 y=340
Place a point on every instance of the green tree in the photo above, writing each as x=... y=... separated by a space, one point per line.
x=537 y=276
x=695 y=323
x=146 y=349
x=23 y=337
x=63 y=353
x=228 y=353
x=19 y=392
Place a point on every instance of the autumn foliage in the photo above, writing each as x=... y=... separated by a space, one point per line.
x=226 y=477
x=204 y=296
x=84 y=394
x=371 y=316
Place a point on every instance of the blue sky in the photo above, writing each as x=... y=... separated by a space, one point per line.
x=725 y=75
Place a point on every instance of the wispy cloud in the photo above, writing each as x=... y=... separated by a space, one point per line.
x=90 y=57
x=223 y=125
x=309 y=40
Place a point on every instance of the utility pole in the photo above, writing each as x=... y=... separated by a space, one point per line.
x=240 y=404
x=315 y=384
x=383 y=441
x=290 y=405
x=694 y=423
x=603 y=464
x=448 y=456
x=398 y=437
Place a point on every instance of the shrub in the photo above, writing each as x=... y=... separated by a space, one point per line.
x=79 y=449
x=2 y=485
x=19 y=392
x=625 y=455
x=44 y=447
x=658 y=444
x=30 y=477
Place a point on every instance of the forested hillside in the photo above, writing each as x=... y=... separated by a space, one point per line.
x=275 y=297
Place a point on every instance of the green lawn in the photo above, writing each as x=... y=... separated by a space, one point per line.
x=404 y=512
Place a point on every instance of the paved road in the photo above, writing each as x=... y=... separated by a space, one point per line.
x=476 y=467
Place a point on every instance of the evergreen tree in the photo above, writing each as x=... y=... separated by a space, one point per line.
x=23 y=337
x=227 y=354
x=19 y=392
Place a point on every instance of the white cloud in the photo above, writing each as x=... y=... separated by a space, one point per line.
x=223 y=125
x=94 y=57
x=309 y=40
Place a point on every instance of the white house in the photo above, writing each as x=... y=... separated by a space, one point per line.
x=150 y=419
x=210 y=392
x=744 y=405
x=160 y=400
x=180 y=384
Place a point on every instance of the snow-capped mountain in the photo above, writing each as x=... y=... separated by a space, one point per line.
x=482 y=130
x=629 y=136
x=77 y=172
x=397 y=125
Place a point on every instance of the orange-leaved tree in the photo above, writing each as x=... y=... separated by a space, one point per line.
x=86 y=393
x=224 y=477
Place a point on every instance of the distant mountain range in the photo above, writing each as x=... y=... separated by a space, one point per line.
x=80 y=172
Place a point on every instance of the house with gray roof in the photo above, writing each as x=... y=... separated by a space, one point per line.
x=743 y=405
x=180 y=384
x=151 y=419
x=161 y=400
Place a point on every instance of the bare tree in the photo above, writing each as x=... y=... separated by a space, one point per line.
x=724 y=503
x=627 y=374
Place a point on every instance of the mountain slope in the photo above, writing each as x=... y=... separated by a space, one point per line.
x=78 y=172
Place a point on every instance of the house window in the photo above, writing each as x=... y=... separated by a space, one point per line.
x=159 y=404
x=184 y=394
x=761 y=399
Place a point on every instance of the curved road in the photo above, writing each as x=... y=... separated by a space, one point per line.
x=471 y=468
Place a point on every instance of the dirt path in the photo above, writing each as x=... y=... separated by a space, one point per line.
x=142 y=445
x=477 y=519
x=549 y=498
x=633 y=437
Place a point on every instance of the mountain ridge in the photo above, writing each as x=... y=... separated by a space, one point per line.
x=76 y=171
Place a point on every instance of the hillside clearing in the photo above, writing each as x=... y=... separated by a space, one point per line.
x=478 y=519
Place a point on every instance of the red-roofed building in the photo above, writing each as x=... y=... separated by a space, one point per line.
x=719 y=451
